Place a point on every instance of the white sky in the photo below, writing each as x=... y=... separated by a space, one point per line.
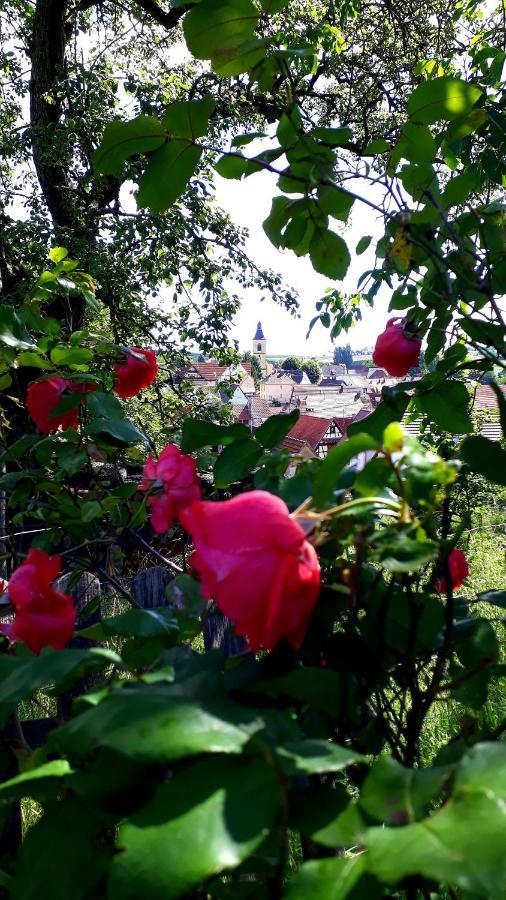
x=248 y=203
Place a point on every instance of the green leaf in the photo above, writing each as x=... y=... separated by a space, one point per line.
x=237 y=59
x=167 y=174
x=320 y=688
x=377 y=146
x=104 y=406
x=70 y=458
x=12 y=330
x=273 y=6
x=396 y=795
x=462 y=844
x=485 y=457
x=189 y=118
x=151 y=726
x=275 y=428
x=335 y=461
x=289 y=127
x=33 y=360
x=71 y=356
x=51 y=667
x=57 y=254
x=194 y=827
x=121 y=432
x=199 y=433
x=277 y=219
x=122 y=140
x=213 y=26
x=442 y=98
x=447 y=405
x=232 y=166
x=35 y=782
x=329 y=254
x=76 y=869
x=145 y=623
x=335 y=202
x=236 y=461
x=483 y=768
x=333 y=879
x=312 y=757
x=363 y=244
x=458 y=189
x=336 y=137
x=496 y=598
x=416 y=144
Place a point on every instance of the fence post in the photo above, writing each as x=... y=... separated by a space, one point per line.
x=148 y=587
x=218 y=634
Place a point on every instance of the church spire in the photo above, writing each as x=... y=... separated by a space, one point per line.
x=259 y=335
x=260 y=348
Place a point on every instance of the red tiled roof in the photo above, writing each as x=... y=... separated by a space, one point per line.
x=212 y=370
x=246 y=364
x=378 y=374
x=294 y=445
x=309 y=430
x=485 y=397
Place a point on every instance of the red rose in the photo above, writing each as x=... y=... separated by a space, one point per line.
x=43 y=616
x=178 y=482
x=254 y=560
x=459 y=571
x=395 y=350
x=134 y=374
x=41 y=399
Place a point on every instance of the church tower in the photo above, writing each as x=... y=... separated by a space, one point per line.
x=259 y=348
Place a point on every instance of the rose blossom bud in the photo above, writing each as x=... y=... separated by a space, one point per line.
x=135 y=374
x=253 y=559
x=395 y=350
x=459 y=570
x=43 y=616
x=175 y=476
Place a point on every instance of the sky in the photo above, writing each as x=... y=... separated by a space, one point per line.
x=248 y=203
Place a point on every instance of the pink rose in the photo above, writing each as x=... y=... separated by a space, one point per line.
x=395 y=350
x=459 y=571
x=43 y=616
x=254 y=560
x=175 y=482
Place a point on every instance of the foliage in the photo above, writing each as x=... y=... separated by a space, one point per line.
x=313 y=370
x=343 y=355
x=180 y=773
x=291 y=363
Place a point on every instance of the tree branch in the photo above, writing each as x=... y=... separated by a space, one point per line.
x=166 y=19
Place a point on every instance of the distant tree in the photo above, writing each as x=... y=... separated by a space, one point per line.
x=256 y=369
x=201 y=358
x=312 y=369
x=291 y=362
x=343 y=355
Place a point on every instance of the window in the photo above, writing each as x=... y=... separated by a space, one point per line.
x=259 y=347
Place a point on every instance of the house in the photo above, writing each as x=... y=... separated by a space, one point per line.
x=313 y=432
x=334 y=370
x=209 y=374
x=377 y=375
x=234 y=395
x=277 y=387
x=298 y=376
